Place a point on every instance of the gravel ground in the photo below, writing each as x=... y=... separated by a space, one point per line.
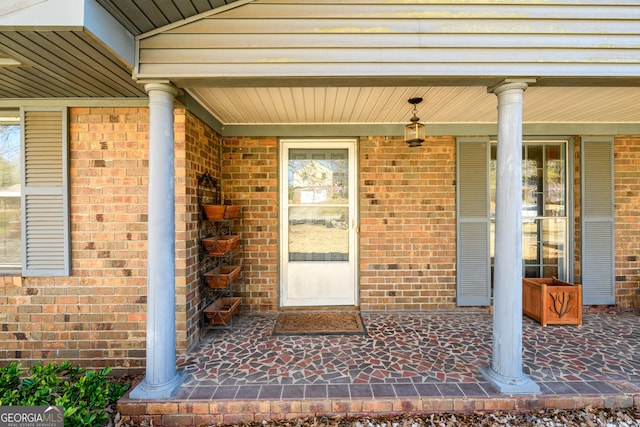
x=587 y=417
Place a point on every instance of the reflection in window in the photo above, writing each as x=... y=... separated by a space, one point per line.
x=318 y=233
x=10 y=172
x=544 y=222
x=318 y=176
x=318 y=205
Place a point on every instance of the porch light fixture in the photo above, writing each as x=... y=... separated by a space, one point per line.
x=414 y=132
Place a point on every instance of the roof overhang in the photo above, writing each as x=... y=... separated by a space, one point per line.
x=256 y=67
x=64 y=49
x=303 y=65
x=70 y=15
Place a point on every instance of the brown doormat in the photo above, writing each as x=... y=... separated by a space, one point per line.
x=319 y=323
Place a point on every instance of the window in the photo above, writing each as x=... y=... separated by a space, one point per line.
x=544 y=208
x=10 y=193
x=34 y=195
x=546 y=204
x=45 y=193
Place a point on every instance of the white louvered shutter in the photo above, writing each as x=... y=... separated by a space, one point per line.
x=598 y=251
x=45 y=211
x=473 y=253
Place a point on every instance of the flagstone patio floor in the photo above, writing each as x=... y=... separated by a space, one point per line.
x=406 y=362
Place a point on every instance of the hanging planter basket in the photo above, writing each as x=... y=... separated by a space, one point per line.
x=220 y=212
x=552 y=301
x=222 y=276
x=231 y=211
x=220 y=311
x=221 y=245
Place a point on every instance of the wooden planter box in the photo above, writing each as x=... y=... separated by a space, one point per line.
x=220 y=311
x=552 y=301
x=220 y=212
x=221 y=277
x=221 y=245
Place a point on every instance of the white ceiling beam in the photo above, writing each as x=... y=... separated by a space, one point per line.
x=41 y=14
x=109 y=32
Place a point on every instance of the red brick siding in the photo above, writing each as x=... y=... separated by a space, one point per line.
x=627 y=222
x=407 y=239
x=250 y=179
x=407 y=224
x=96 y=317
x=197 y=152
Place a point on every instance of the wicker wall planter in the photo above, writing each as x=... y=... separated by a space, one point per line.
x=220 y=245
x=220 y=311
x=552 y=301
x=231 y=211
x=221 y=277
x=220 y=212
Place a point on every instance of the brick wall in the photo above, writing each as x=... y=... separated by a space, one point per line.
x=96 y=317
x=577 y=213
x=407 y=224
x=197 y=151
x=407 y=218
x=250 y=179
x=407 y=221
x=627 y=222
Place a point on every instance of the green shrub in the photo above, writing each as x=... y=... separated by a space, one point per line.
x=85 y=395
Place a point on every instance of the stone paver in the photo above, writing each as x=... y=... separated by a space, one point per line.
x=401 y=350
x=406 y=362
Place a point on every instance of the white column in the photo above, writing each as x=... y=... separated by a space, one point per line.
x=161 y=379
x=505 y=373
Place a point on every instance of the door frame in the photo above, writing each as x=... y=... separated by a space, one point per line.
x=351 y=144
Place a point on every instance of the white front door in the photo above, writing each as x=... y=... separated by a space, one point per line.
x=318 y=223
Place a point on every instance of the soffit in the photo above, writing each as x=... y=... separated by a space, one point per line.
x=141 y=16
x=58 y=61
x=64 y=63
x=382 y=105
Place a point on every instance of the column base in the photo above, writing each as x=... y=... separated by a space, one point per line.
x=508 y=385
x=146 y=391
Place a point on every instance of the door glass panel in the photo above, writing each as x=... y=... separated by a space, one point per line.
x=318 y=233
x=318 y=205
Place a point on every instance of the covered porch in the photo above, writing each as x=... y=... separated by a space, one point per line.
x=407 y=363
x=251 y=73
x=293 y=79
